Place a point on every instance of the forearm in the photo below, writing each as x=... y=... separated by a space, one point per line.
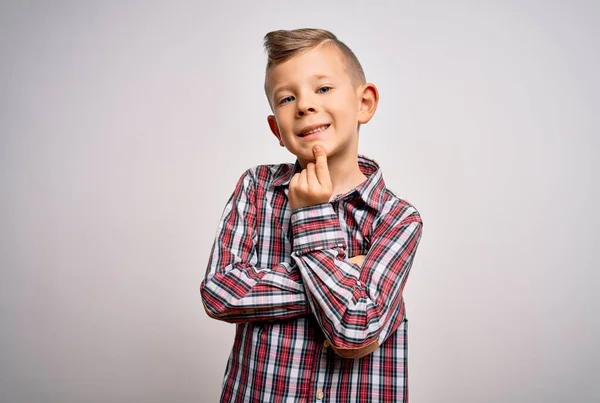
x=237 y=286
x=347 y=314
x=245 y=293
x=353 y=304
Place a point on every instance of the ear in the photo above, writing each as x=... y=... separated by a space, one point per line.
x=369 y=99
x=274 y=128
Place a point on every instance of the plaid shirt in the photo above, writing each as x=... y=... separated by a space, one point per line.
x=300 y=306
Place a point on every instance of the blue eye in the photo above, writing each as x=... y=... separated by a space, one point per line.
x=324 y=90
x=286 y=100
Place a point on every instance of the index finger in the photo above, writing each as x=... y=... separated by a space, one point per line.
x=321 y=164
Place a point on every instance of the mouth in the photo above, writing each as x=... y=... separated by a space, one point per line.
x=312 y=130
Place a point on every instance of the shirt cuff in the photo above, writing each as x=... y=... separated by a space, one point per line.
x=316 y=227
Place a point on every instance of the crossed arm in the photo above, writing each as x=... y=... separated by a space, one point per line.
x=353 y=298
x=357 y=307
x=235 y=288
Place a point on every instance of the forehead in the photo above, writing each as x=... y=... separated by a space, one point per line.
x=310 y=64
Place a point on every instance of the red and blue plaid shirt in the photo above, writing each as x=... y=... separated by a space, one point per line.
x=299 y=305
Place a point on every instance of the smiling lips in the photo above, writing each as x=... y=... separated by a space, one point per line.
x=313 y=129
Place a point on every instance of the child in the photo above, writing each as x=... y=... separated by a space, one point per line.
x=311 y=258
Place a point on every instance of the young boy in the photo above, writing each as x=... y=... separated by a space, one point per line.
x=311 y=258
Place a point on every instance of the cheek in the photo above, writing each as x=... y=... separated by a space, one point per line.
x=346 y=109
x=346 y=116
x=283 y=124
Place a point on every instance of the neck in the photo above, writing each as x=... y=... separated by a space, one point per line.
x=345 y=174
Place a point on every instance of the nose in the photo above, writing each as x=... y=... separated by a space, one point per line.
x=304 y=105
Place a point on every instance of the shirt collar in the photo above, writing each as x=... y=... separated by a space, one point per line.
x=370 y=191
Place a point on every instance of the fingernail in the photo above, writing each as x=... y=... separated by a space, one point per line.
x=317 y=148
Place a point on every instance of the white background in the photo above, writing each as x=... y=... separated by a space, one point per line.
x=125 y=125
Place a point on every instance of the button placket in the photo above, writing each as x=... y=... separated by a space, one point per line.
x=321 y=369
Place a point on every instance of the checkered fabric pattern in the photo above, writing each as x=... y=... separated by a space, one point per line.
x=301 y=308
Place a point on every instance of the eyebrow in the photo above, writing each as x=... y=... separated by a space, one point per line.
x=321 y=76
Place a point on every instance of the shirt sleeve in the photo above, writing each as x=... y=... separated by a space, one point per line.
x=235 y=289
x=356 y=307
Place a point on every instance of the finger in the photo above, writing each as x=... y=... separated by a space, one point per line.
x=358 y=259
x=311 y=175
x=302 y=180
x=294 y=181
x=322 y=169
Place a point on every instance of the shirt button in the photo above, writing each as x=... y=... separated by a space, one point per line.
x=326 y=344
x=319 y=394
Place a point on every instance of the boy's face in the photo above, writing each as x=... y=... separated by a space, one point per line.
x=315 y=101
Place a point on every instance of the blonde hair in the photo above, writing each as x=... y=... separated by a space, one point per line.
x=282 y=45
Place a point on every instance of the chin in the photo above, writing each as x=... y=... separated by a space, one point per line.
x=308 y=153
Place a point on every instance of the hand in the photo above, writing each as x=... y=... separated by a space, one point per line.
x=356 y=352
x=313 y=184
x=358 y=259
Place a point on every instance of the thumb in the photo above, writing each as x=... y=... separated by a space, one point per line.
x=322 y=169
